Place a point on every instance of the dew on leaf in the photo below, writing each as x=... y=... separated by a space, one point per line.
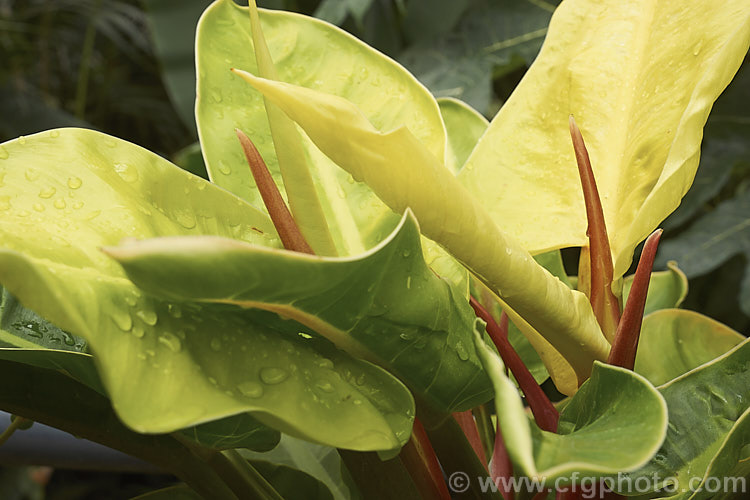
x=224 y=168
x=68 y=339
x=78 y=205
x=59 y=203
x=185 y=218
x=138 y=331
x=463 y=354
x=147 y=316
x=38 y=207
x=250 y=389
x=324 y=386
x=48 y=192
x=174 y=310
x=128 y=173
x=122 y=319
x=273 y=375
x=325 y=363
x=215 y=344
x=172 y=342
x=21 y=140
x=74 y=182
x=31 y=175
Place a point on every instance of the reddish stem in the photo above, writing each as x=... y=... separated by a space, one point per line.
x=289 y=232
x=544 y=412
x=420 y=460
x=604 y=303
x=501 y=466
x=625 y=345
x=467 y=423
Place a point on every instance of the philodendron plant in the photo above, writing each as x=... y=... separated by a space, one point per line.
x=362 y=254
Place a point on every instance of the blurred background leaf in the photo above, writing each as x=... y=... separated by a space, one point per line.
x=709 y=234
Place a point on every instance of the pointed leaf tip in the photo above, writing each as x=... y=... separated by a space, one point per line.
x=625 y=345
x=604 y=303
x=289 y=232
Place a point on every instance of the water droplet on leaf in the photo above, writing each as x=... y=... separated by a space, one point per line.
x=147 y=316
x=138 y=332
x=172 y=342
x=250 y=389
x=273 y=375
x=122 y=319
x=47 y=192
x=74 y=182
x=215 y=344
x=128 y=173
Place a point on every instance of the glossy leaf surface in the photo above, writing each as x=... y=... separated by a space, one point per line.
x=666 y=289
x=713 y=398
x=395 y=165
x=614 y=423
x=640 y=78
x=675 y=341
x=310 y=52
x=167 y=366
x=386 y=306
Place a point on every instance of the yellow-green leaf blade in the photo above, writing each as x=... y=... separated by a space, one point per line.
x=405 y=174
x=640 y=78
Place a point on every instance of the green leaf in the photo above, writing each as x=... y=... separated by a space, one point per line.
x=674 y=341
x=336 y=11
x=303 y=200
x=725 y=146
x=666 y=289
x=464 y=126
x=614 y=423
x=385 y=306
x=640 y=78
x=311 y=52
x=712 y=240
x=178 y=492
x=321 y=462
x=21 y=327
x=190 y=158
x=78 y=366
x=172 y=26
x=490 y=37
x=167 y=366
x=395 y=164
x=230 y=432
x=56 y=400
x=238 y=431
x=713 y=398
x=292 y=484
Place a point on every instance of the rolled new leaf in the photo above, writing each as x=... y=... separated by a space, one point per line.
x=304 y=50
x=404 y=173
